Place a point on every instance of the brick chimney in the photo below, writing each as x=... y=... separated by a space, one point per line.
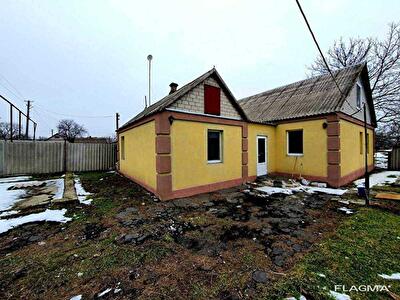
x=173 y=87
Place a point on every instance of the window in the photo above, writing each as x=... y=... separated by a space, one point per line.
x=123 y=147
x=295 y=142
x=361 y=143
x=212 y=100
x=214 y=146
x=367 y=143
x=358 y=96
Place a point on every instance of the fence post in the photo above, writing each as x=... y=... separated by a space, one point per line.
x=65 y=156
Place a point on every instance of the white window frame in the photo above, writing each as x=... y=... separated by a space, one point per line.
x=358 y=86
x=287 y=143
x=220 y=160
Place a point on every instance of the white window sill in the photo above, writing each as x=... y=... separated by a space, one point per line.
x=295 y=154
x=214 y=161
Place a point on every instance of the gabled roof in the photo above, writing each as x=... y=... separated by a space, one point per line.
x=171 y=98
x=313 y=96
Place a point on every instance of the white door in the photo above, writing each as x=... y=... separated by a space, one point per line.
x=261 y=155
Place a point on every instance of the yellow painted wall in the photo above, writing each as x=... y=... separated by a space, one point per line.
x=189 y=154
x=140 y=157
x=255 y=130
x=314 y=160
x=351 y=157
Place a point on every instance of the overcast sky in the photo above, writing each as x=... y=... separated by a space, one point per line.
x=81 y=59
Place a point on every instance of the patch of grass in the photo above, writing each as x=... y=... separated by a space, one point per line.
x=104 y=206
x=366 y=245
x=386 y=188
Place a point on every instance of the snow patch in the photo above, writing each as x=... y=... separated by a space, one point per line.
x=60 y=188
x=14 y=179
x=81 y=193
x=339 y=296
x=379 y=178
x=269 y=190
x=394 y=276
x=9 y=213
x=346 y=210
x=104 y=292
x=48 y=215
x=321 y=275
x=77 y=297
x=9 y=197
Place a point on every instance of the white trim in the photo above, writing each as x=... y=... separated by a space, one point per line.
x=201 y=114
x=265 y=138
x=359 y=106
x=287 y=143
x=221 y=156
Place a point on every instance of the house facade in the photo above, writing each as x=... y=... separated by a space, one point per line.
x=199 y=138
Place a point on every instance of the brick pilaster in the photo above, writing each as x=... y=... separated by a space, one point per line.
x=163 y=155
x=333 y=145
x=245 y=155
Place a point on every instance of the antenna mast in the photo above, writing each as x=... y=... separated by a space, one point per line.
x=149 y=58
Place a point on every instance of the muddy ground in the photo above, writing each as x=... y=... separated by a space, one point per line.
x=221 y=245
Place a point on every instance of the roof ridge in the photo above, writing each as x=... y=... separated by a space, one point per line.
x=335 y=72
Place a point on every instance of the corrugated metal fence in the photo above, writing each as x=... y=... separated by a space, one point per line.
x=394 y=159
x=38 y=157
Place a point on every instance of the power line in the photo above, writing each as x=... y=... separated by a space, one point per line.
x=323 y=57
x=73 y=116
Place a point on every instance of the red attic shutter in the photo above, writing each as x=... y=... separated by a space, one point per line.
x=212 y=100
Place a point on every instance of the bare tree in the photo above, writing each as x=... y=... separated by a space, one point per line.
x=69 y=129
x=5 y=131
x=383 y=60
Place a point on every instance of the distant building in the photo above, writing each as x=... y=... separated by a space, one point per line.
x=87 y=140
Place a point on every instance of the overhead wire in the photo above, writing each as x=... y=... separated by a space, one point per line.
x=323 y=57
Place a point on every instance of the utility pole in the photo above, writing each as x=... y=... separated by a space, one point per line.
x=366 y=180
x=149 y=58
x=116 y=121
x=11 y=123
x=34 y=131
x=28 y=108
x=19 y=125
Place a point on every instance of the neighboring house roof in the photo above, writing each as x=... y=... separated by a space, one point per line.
x=171 y=98
x=313 y=96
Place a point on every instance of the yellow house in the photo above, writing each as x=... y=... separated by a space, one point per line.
x=199 y=138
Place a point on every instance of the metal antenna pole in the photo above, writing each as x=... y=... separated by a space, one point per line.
x=149 y=58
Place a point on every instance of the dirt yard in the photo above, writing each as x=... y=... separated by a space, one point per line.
x=128 y=245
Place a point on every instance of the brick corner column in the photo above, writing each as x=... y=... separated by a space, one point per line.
x=245 y=155
x=163 y=156
x=333 y=147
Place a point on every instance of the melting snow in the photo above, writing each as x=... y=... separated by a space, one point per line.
x=60 y=188
x=348 y=211
x=48 y=215
x=14 y=179
x=394 y=276
x=339 y=296
x=274 y=190
x=9 y=213
x=104 y=292
x=379 y=178
x=307 y=189
x=8 y=197
x=81 y=193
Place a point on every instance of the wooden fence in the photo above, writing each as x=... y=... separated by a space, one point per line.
x=394 y=159
x=43 y=157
